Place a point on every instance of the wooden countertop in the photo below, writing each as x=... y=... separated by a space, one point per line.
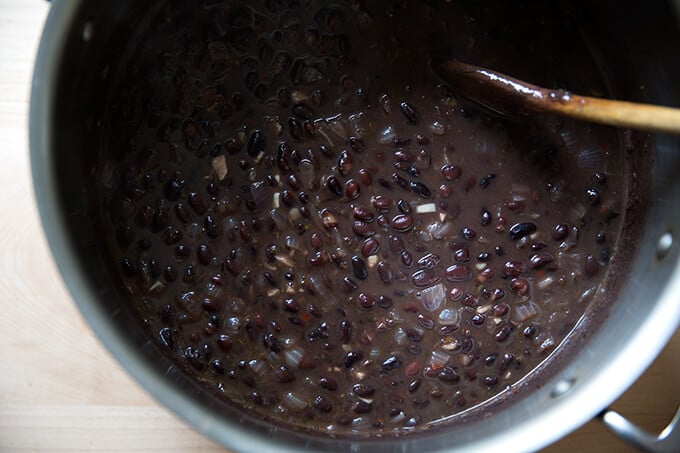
x=59 y=389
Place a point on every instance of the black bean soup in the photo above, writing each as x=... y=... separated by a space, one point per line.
x=316 y=229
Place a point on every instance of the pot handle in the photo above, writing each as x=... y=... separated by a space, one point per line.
x=667 y=441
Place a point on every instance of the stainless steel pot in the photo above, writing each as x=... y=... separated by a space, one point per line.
x=640 y=48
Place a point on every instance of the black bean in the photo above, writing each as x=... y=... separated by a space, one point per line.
x=269 y=278
x=448 y=375
x=478 y=319
x=398 y=180
x=403 y=206
x=362 y=229
x=402 y=155
x=349 y=284
x=271 y=342
x=322 y=404
x=287 y=198
x=284 y=375
x=506 y=361
x=384 y=301
x=385 y=272
x=363 y=390
x=391 y=363
x=409 y=112
x=182 y=251
x=529 y=331
x=461 y=255
x=483 y=257
x=414 y=385
x=540 y=260
x=367 y=301
x=357 y=144
x=370 y=247
x=290 y=305
x=424 y=277
x=421 y=189
x=345 y=163
x=359 y=268
x=470 y=300
x=204 y=254
x=334 y=186
x=256 y=143
x=503 y=332
x=450 y=172
x=212 y=227
x=345 y=332
x=396 y=243
x=295 y=129
x=199 y=205
x=468 y=344
x=520 y=230
x=485 y=217
x=519 y=285
x=382 y=203
x=490 y=381
x=490 y=359
x=429 y=261
x=406 y=258
x=128 y=267
x=593 y=196
x=173 y=187
x=605 y=254
x=362 y=213
x=486 y=180
x=536 y=246
x=351 y=358
x=591 y=266
x=303 y=111
x=160 y=220
x=468 y=233
x=402 y=223
x=328 y=383
x=362 y=407
x=458 y=272
x=170 y=273
x=425 y=321
x=283 y=157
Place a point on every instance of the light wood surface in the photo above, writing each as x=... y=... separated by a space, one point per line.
x=59 y=389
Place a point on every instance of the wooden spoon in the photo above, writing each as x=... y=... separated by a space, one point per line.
x=508 y=96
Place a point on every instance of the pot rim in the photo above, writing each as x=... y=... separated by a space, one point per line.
x=603 y=385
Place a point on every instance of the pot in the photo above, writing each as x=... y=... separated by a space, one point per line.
x=598 y=363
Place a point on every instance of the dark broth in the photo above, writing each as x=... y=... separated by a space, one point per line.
x=319 y=231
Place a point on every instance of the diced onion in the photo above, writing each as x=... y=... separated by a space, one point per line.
x=259 y=367
x=293 y=357
x=433 y=297
x=426 y=208
x=524 y=312
x=439 y=359
x=400 y=336
x=293 y=401
x=387 y=135
x=449 y=316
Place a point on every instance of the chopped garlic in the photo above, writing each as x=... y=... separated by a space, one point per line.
x=219 y=164
x=426 y=208
x=372 y=261
x=543 y=284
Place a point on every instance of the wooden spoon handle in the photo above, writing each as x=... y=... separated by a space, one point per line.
x=506 y=95
x=616 y=113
